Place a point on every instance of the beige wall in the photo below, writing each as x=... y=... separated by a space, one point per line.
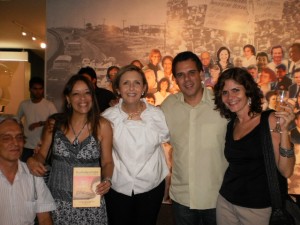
x=14 y=77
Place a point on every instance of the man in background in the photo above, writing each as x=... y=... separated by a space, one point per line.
x=105 y=98
x=253 y=70
x=262 y=61
x=35 y=111
x=23 y=196
x=111 y=75
x=206 y=61
x=283 y=82
x=277 y=55
x=295 y=88
x=294 y=54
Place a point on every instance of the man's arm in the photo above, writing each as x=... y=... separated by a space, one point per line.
x=44 y=218
x=20 y=112
x=52 y=109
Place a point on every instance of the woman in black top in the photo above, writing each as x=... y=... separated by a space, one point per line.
x=244 y=195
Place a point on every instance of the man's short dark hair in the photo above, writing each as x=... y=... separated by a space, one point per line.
x=89 y=71
x=281 y=66
x=296 y=45
x=295 y=71
x=184 y=56
x=36 y=80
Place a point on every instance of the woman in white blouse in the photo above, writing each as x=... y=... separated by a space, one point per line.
x=139 y=129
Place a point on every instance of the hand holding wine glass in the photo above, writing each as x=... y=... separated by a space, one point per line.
x=281 y=102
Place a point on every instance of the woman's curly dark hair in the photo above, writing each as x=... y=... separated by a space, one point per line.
x=252 y=91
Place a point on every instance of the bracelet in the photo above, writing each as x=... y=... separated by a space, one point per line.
x=286 y=152
x=107 y=179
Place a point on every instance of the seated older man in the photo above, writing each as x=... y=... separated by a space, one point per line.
x=23 y=196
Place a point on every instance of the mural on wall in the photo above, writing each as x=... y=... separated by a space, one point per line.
x=115 y=32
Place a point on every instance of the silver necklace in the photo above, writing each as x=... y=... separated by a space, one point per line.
x=76 y=141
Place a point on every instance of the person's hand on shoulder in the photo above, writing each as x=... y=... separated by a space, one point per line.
x=35 y=167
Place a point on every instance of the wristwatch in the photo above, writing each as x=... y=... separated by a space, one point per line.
x=107 y=179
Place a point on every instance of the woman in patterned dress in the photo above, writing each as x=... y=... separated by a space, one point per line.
x=82 y=138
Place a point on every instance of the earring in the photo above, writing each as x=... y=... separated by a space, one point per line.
x=249 y=101
x=69 y=106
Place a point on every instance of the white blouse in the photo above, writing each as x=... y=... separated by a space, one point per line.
x=139 y=159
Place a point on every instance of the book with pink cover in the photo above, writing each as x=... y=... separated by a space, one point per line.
x=85 y=180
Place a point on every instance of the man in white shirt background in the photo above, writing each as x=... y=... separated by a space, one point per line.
x=277 y=55
x=206 y=61
x=35 y=111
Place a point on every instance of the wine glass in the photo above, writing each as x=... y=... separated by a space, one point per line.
x=281 y=97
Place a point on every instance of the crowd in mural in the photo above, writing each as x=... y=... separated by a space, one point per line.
x=189 y=21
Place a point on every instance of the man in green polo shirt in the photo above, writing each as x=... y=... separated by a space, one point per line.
x=198 y=138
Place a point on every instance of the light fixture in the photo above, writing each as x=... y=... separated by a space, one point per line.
x=43 y=45
x=23 y=32
x=34 y=37
x=13 y=56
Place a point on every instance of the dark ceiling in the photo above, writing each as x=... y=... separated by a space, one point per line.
x=30 y=14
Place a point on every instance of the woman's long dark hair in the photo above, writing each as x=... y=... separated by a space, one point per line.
x=242 y=77
x=93 y=115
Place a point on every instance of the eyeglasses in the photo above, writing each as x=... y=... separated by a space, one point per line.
x=7 y=138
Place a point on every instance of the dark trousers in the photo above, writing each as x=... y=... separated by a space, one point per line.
x=185 y=216
x=138 y=209
x=27 y=152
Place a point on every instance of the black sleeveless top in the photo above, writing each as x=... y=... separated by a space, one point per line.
x=245 y=181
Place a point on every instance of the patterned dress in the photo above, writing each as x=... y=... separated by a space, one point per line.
x=65 y=157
